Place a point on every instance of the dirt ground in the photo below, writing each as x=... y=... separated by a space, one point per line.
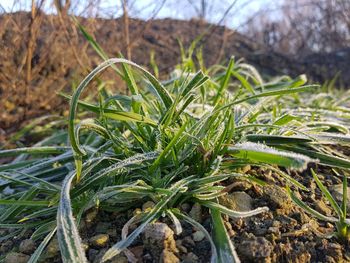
x=283 y=234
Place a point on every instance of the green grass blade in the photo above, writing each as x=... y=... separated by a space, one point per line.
x=34 y=151
x=277 y=139
x=231 y=213
x=264 y=154
x=328 y=195
x=225 y=249
x=37 y=253
x=68 y=236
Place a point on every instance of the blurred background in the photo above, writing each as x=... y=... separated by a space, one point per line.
x=43 y=52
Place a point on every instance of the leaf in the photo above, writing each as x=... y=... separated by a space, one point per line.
x=128 y=116
x=37 y=253
x=34 y=150
x=231 y=213
x=328 y=195
x=68 y=236
x=261 y=153
x=277 y=139
x=223 y=243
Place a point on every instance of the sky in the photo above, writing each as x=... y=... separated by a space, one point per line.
x=179 y=9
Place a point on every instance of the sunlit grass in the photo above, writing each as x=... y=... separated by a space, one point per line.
x=170 y=142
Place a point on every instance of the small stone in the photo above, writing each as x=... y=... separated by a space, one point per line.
x=92 y=253
x=180 y=247
x=231 y=233
x=159 y=237
x=112 y=232
x=196 y=212
x=322 y=208
x=257 y=247
x=188 y=242
x=53 y=248
x=119 y=259
x=137 y=251
x=274 y=230
x=100 y=240
x=237 y=201
x=278 y=196
x=102 y=227
x=185 y=207
x=137 y=211
x=85 y=246
x=5 y=247
x=246 y=168
x=228 y=225
x=168 y=257
x=191 y=258
x=14 y=257
x=337 y=193
x=27 y=246
x=198 y=236
x=91 y=216
x=148 y=205
x=100 y=255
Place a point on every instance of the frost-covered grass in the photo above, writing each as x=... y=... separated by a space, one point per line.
x=169 y=142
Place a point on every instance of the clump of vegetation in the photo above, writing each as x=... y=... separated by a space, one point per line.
x=168 y=142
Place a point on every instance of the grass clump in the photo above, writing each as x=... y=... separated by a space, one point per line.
x=168 y=142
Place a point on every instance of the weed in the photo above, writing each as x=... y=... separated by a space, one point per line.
x=170 y=142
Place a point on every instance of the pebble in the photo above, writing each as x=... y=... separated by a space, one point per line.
x=159 y=237
x=100 y=240
x=198 y=236
x=191 y=258
x=14 y=257
x=91 y=216
x=99 y=256
x=337 y=193
x=181 y=248
x=278 y=196
x=119 y=259
x=185 y=207
x=148 y=205
x=27 y=246
x=92 y=253
x=53 y=248
x=188 y=242
x=237 y=201
x=102 y=227
x=5 y=246
x=168 y=257
x=246 y=168
x=137 y=251
x=196 y=212
x=257 y=247
x=322 y=208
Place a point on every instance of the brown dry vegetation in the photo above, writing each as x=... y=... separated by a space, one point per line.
x=44 y=54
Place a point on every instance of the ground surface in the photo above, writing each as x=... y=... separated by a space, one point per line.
x=284 y=234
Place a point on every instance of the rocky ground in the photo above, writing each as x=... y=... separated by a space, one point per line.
x=284 y=234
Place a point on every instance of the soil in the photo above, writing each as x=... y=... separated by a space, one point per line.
x=62 y=57
x=283 y=234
